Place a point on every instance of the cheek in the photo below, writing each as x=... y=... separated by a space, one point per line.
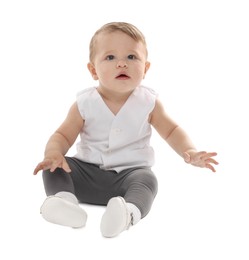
x=104 y=73
x=140 y=72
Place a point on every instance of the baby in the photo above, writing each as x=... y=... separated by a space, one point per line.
x=114 y=157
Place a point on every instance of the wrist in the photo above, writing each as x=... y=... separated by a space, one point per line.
x=190 y=150
x=188 y=154
x=52 y=153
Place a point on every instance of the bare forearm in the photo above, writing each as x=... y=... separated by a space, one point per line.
x=180 y=141
x=57 y=144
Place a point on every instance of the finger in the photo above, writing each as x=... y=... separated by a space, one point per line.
x=211 y=160
x=55 y=165
x=41 y=166
x=66 y=167
x=37 y=169
x=209 y=166
x=60 y=164
x=208 y=155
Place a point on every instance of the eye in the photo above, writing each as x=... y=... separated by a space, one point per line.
x=131 y=57
x=110 y=57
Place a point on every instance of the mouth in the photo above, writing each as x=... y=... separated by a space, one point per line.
x=122 y=76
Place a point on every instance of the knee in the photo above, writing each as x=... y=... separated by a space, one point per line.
x=147 y=179
x=151 y=182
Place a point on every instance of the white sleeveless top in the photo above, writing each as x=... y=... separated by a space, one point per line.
x=116 y=142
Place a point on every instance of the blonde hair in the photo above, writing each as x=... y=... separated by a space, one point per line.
x=126 y=28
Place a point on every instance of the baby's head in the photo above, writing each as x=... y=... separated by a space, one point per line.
x=123 y=27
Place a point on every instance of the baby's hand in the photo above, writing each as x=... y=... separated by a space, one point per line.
x=200 y=159
x=52 y=164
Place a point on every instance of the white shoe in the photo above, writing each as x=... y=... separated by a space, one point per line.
x=60 y=211
x=116 y=218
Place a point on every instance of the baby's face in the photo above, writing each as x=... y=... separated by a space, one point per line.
x=120 y=62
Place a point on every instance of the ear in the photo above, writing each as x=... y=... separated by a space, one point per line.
x=92 y=70
x=146 y=68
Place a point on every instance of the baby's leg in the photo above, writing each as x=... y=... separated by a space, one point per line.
x=57 y=181
x=139 y=188
x=61 y=206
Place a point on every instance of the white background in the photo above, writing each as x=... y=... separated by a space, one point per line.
x=200 y=66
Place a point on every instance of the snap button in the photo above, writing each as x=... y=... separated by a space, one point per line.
x=116 y=130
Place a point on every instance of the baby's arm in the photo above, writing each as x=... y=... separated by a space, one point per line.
x=178 y=139
x=60 y=142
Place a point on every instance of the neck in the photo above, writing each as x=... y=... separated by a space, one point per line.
x=113 y=95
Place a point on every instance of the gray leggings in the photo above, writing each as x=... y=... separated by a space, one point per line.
x=90 y=184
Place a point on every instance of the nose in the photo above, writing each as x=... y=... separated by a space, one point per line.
x=122 y=64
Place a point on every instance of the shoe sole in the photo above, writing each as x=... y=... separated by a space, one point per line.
x=59 y=211
x=116 y=218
